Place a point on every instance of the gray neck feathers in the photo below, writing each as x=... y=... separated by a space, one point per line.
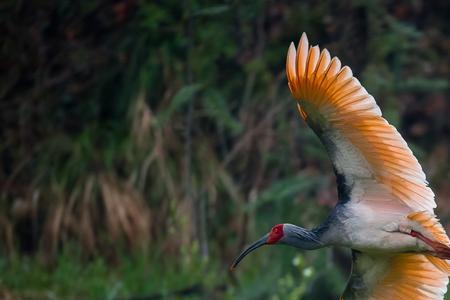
x=303 y=238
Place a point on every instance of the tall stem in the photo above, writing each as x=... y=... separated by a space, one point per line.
x=197 y=205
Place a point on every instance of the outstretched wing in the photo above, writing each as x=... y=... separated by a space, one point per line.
x=398 y=277
x=367 y=152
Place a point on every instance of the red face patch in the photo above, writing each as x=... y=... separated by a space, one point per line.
x=275 y=234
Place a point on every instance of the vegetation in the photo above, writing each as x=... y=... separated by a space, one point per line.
x=144 y=143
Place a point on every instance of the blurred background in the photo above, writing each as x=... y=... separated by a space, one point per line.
x=143 y=144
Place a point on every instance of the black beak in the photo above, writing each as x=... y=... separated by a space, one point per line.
x=261 y=242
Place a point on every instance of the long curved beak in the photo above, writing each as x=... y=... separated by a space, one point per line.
x=261 y=242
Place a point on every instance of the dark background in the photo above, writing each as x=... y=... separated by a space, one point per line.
x=144 y=143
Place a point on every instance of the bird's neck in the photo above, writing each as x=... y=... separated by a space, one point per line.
x=306 y=239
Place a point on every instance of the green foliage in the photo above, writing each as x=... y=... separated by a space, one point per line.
x=182 y=97
x=73 y=278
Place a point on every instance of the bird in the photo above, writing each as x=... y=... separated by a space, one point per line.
x=385 y=207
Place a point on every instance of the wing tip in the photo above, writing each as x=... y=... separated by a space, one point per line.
x=304 y=36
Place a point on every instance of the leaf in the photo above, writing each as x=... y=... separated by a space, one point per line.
x=419 y=84
x=284 y=190
x=184 y=95
x=212 y=10
x=216 y=106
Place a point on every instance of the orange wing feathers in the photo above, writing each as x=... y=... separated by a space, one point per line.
x=436 y=233
x=397 y=277
x=331 y=99
x=411 y=276
x=431 y=225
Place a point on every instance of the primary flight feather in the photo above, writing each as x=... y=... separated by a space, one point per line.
x=385 y=209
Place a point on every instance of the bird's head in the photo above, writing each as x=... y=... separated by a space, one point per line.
x=287 y=234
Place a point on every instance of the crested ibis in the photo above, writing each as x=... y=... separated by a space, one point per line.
x=385 y=208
